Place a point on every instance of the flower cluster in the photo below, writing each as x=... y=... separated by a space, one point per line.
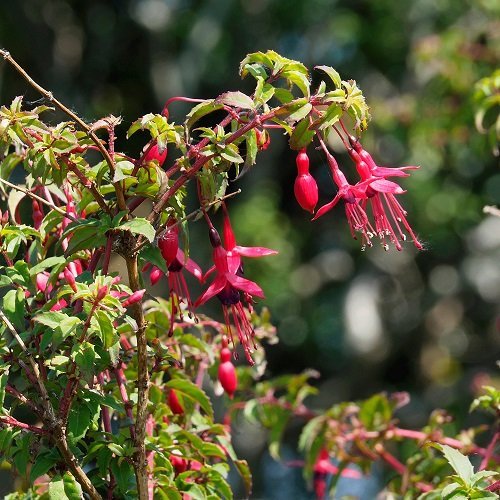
x=371 y=206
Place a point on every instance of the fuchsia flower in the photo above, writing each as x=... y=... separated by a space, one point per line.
x=229 y=284
x=376 y=190
x=351 y=195
x=176 y=261
x=380 y=195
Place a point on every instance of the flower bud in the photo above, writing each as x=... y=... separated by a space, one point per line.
x=227 y=373
x=155 y=275
x=302 y=162
x=101 y=293
x=174 y=404
x=306 y=191
x=155 y=154
x=41 y=282
x=37 y=214
x=70 y=279
x=178 y=463
x=134 y=298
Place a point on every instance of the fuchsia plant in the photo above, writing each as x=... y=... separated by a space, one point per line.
x=116 y=380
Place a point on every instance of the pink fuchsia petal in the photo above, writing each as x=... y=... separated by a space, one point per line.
x=326 y=208
x=190 y=265
x=385 y=186
x=216 y=287
x=208 y=273
x=392 y=171
x=245 y=285
x=254 y=251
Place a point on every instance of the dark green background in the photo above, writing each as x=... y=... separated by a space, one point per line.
x=422 y=322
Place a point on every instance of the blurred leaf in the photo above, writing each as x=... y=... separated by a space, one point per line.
x=235 y=99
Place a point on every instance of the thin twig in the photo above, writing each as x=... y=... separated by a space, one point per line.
x=40 y=199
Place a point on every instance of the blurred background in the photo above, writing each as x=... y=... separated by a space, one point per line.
x=423 y=322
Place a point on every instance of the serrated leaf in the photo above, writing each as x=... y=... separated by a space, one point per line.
x=84 y=356
x=301 y=136
x=334 y=76
x=460 y=463
x=139 y=225
x=124 y=475
x=193 y=392
x=245 y=473
x=201 y=110
x=236 y=99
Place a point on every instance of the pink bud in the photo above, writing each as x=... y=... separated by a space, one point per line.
x=227 y=373
x=302 y=162
x=101 y=293
x=134 y=298
x=5 y=217
x=178 y=463
x=37 y=214
x=68 y=276
x=41 y=281
x=155 y=275
x=306 y=191
x=155 y=154
x=61 y=304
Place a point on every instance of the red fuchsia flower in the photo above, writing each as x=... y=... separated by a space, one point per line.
x=305 y=187
x=228 y=286
x=176 y=261
x=155 y=154
x=351 y=195
x=388 y=213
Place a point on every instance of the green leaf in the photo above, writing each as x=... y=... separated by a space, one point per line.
x=56 y=489
x=19 y=273
x=139 y=225
x=79 y=420
x=44 y=461
x=199 y=111
x=106 y=329
x=375 y=412
x=4 y=376
x=482 y=474
x=123 y=170
x=460 y=463
x=235 y=99
x=280 y=420
x=302 y=112
x=301 y=136
x=72 y=488
x=13 y=308
x=84 y=356
x=62 y=325
x=244 y=471
x=190 y=390
x=47 y=263
x=124 y=475
x=334 y=76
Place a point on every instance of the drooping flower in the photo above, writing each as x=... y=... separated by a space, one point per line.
x=351 y=196
x=154 y=153
x=229 y=284
x=388 y=214
x=176 y=262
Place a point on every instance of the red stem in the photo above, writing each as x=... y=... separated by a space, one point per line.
x=121 y=380
x=8 y=420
